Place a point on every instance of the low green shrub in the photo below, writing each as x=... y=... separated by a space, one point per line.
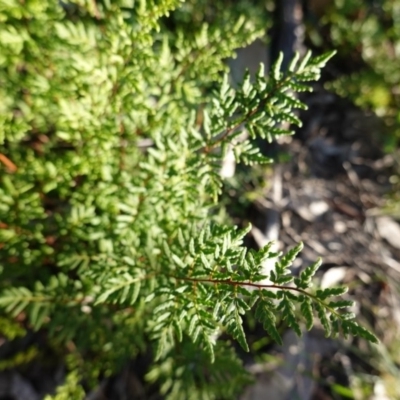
x=366 y=35
x=112 y=238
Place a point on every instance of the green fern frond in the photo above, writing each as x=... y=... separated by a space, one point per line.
x=111 y=235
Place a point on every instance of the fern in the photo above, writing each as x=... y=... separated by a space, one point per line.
x=70 y=390
x=109 y=234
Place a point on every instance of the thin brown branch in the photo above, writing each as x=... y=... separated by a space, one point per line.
x=241 y=283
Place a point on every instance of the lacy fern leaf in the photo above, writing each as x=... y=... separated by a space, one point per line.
x=111 y=232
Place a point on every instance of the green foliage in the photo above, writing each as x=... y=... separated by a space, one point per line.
x=110 y=235
x=367 y=37
x=70 y=390
x=204 y=379
x=10 y=330
x=21 y=358
x=258 y=107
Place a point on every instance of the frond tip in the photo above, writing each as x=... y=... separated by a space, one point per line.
x=223 y=294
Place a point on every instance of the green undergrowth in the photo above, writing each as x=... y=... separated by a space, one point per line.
x=113 y=134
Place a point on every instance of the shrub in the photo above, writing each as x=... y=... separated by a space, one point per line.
x=112 y=240
x=367 y=37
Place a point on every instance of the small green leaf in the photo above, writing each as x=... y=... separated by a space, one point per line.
x=321 y=312
x=193 y=324
x=287 y=260
x=234 y=327
x=304 y=62
x=38 y=313
x=265 y=315
x=181 y=239
x=177 y=329
x=321 y=60
x=178 y=261
x=293 y=63
x=209 y=349
x=135 y=292
x=205 y=261
x=276 y=67
x=307 y=312
x=323 y=294
x=341 y=304
x=308 y=273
